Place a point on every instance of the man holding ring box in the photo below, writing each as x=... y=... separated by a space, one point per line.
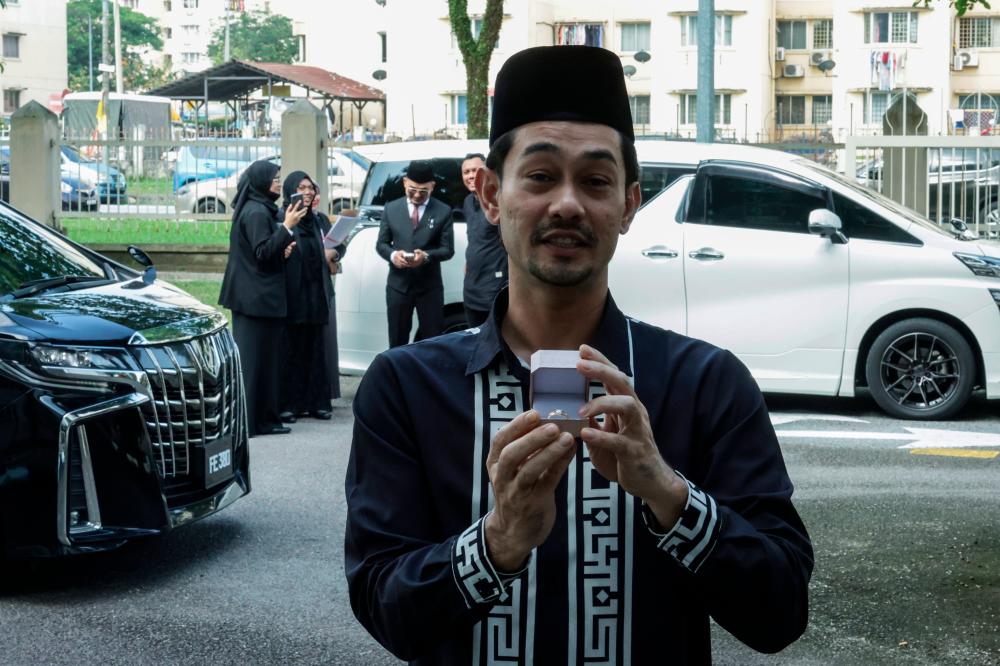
x=476 y=534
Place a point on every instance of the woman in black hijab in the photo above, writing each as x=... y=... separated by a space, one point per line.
x=307 y=278
x=254 y=289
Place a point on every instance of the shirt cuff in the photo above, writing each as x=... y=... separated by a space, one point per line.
x=290 y=232
x=693 y=537
x=476 y=577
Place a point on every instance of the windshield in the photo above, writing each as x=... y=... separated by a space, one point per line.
x=358 y=159
x=385 y=182
x=879 y=199
x=32 y=252
x=219 y=152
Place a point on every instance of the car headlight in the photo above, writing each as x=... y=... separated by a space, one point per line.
x=74 y=357
x=980 y=265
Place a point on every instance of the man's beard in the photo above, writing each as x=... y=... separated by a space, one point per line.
x=557 y=274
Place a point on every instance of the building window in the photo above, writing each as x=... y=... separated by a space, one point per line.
x=190 y=4
x=890 y=27
x=874 y=107
x=634 y=37
x=11 y=46
x=723 y=109
x=580 y=34
x=822 y=109
x=300 y=45
x=723 y=30
x=476 y=28
x=382 y=46
x=11 y=100
x=790 y=110
x=979 y=33
x=459 y=110
x=131 y=4
x=190 y=31
x=640 y=109
x=792 y=35
x=190 y=57
x=823 y=34
x=168 y=33
x=167 y=5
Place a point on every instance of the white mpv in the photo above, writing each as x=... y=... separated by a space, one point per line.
x=818 y=285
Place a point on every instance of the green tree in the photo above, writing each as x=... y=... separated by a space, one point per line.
x=140 y=34
x=961 y=6
x=257 y=35
x=476 y=54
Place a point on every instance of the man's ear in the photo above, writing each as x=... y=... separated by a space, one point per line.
x=633 y=198
x=488 y=191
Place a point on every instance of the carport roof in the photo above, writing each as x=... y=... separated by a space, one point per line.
x=236 y=78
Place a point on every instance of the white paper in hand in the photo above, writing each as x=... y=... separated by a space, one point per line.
x=341 y=227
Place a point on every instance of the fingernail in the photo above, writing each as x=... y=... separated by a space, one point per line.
x=583 y=413
x=567 y=441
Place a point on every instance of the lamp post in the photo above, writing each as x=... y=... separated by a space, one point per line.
x=706 y=71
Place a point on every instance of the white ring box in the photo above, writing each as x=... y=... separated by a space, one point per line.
x=557 y=386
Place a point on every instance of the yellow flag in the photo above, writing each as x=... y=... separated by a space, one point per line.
x=102 y=119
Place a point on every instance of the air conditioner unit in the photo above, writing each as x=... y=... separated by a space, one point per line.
x=968 y=57
x=779 y=53
x=793 y=71
x=817 y=57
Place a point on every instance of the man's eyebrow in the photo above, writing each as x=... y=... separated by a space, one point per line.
x=547 y=147
x=601 y=154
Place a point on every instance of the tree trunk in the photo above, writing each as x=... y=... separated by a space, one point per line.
x=476 y=54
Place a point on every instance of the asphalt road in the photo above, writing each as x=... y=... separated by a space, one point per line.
x=907 y=571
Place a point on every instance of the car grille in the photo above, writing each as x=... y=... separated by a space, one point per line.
x=197 y=390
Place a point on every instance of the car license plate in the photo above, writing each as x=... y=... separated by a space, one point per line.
x=218 y=461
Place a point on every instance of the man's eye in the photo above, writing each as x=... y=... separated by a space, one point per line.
x=539 y=176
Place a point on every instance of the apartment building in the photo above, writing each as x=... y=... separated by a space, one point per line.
x=34 y=53
x=785 y=70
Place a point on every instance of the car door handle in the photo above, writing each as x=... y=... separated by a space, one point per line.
x=706 y=254
x=659 y=252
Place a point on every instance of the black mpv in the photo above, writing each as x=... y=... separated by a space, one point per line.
x=121 y=399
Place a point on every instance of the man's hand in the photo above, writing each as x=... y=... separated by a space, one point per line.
x=399 y=261
x=525 y=464
x=622 y=449
x=419 y=258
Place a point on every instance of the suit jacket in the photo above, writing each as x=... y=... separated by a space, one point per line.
x=254 y=283
x=433 y=235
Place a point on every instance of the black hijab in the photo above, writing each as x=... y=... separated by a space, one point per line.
x=305 y=268
x=290 y=187
x=255 y=185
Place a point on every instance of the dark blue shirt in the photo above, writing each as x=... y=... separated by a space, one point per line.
x=485 y=258
x=608 y=585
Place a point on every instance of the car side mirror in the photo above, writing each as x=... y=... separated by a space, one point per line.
x=827 y=224
x=962 y=230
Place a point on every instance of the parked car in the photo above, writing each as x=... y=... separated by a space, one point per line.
x=109 y=182
x=75 y=193
x=121 y=400
x=215 y=160
x=345 y=178
x=820 y=285
x=962 y=184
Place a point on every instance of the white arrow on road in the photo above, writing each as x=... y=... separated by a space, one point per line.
x=781 y=418
x=919 y=438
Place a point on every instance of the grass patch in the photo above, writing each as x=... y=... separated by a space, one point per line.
x=147 y=231
x=151 y=187
x=206 y=291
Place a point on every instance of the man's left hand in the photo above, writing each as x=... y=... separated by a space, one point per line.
x=419 y=258
x=622 y=449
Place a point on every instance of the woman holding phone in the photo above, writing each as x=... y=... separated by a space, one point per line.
x=254 y=289
x=306 y=381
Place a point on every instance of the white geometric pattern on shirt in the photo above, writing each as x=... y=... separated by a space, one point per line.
x=509 y=626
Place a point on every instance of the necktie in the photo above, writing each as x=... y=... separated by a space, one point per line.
x=415 y=218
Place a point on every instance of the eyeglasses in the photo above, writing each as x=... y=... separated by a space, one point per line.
x=417 y=190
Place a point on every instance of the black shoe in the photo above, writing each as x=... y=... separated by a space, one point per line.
x=276 y=430
x=287 y=417
x=321 y=414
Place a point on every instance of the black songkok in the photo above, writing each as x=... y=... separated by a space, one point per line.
x=420 y=171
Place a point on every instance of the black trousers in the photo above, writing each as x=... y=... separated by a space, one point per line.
x=429 y=305
x=475 y=317
x=262 y=342
x=306 y=383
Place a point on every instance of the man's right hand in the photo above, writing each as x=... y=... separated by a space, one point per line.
x=525 y=464
x=399 y=261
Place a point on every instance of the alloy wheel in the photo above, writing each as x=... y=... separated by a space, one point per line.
x=920 y=371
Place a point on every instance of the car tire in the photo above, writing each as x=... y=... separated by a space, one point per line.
x=339 y=205
x=454 y=321
x=211 y=206
x=920 y=369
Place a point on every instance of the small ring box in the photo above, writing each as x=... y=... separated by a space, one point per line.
x=558 y=390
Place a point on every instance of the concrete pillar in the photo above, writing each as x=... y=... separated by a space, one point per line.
x=303 y=145
x=34 y=163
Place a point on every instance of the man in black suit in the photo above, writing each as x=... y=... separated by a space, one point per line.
x=415 y=236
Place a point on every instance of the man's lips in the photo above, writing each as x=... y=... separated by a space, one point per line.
x=564 y=238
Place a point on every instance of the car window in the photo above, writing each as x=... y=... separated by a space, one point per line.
x=862 y=222
x=31 y=252
x=654 y=178
x=759 y=204
x=385 y=182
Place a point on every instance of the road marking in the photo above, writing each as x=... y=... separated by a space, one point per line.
x=781 y=418
x=918 y=438
x=956 y=453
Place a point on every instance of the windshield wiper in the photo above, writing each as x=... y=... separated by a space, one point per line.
x=32 y=287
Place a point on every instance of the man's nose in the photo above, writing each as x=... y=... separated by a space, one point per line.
x=567 y=204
